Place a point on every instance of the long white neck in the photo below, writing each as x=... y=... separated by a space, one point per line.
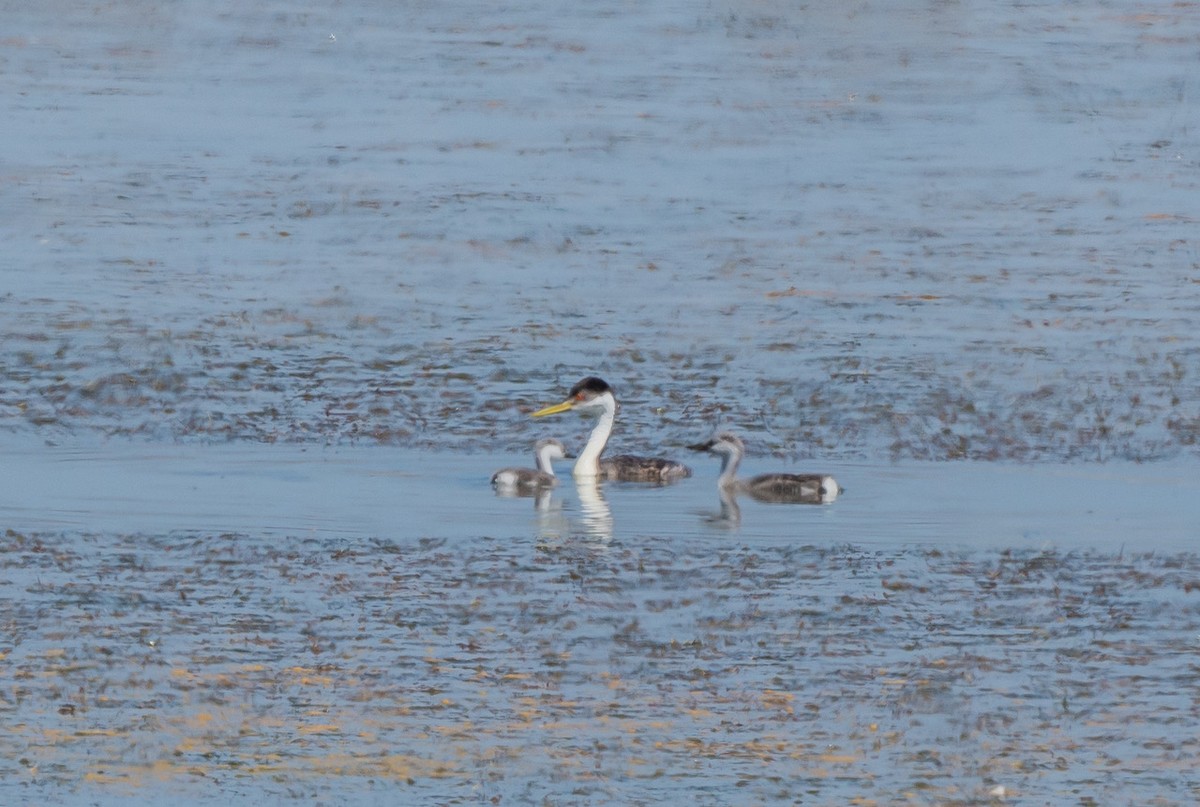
x=588 y=463
x=542 y=456
x=730 y=460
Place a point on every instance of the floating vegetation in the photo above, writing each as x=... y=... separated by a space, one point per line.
x=328 y=384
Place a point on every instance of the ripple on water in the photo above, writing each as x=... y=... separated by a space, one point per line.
x=922 y=231
x=958 y=242
x=526 y=670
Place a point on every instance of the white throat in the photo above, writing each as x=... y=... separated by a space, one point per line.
x=544 y=458
x=730 y=460
x=588 y=463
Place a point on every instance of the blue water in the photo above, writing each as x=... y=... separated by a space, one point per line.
x=314 y=624
x=960 y=231
x=282 y=283
x=356 y=493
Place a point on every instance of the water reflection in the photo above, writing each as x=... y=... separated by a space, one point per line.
x=729 y=516
x=595 y=514
x=552 y=522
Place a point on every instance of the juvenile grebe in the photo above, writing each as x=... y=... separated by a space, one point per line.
x=784 y=488
x=595 y=395
x=528 y=480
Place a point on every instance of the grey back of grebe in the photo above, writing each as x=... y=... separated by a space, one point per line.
x=628 y=468
x=594 y=395
x=793 y=488
x=780 y=488
x=530 y=480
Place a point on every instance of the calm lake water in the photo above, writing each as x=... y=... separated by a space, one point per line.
x=282 y=283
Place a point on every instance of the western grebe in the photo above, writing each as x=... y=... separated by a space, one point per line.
x=545 y=451
x=595 y=395
x=793 y=488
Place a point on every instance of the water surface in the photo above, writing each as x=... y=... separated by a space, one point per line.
x=928 y=231
x=281 y=284
x=314 y=624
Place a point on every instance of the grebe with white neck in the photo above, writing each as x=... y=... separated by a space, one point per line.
x=781 y=488
x=595 y=395
x=529 y=480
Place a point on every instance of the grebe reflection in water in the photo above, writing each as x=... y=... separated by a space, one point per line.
x=595 y=395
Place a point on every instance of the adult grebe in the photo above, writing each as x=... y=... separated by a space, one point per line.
x=528 y=480
x=595 y=395
x=784 y=488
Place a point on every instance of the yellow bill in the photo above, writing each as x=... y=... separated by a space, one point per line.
x=555 y=409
